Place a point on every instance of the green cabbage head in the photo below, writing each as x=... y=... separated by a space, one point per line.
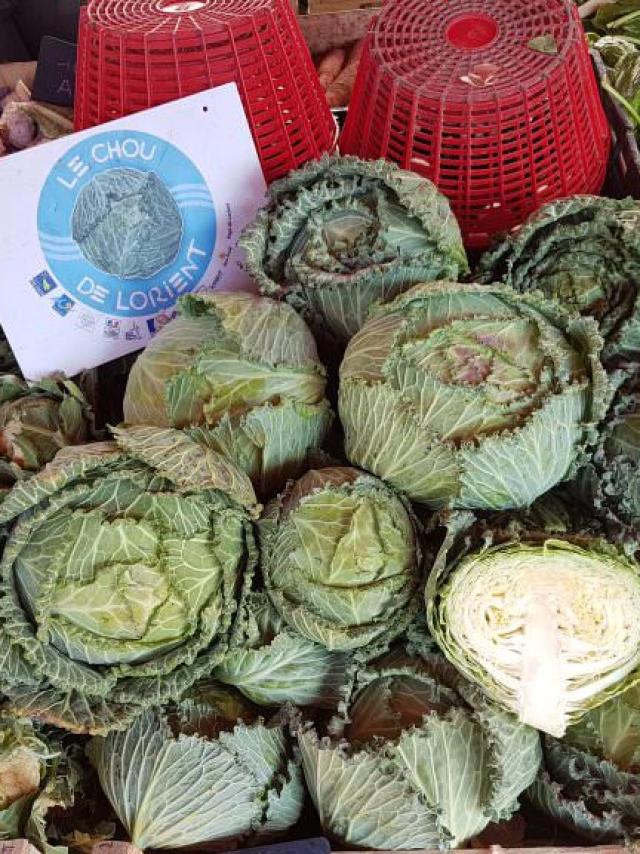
x=470 y=396
x=418 y=759
x=120 y=576
x=341 y=558
x=35 y=422
x=546 y=623
x=611 y=482
x=206 y=770
x=272 y=664
x=583 y=251
x=589 y=781
x=342 y=233
x=245 y=370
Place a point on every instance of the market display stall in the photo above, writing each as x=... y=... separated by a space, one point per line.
x=342 y=551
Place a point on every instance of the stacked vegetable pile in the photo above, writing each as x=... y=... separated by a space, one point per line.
x=418 y=616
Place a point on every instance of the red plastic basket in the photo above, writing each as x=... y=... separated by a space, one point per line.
x=135 y=54
x=493 y=100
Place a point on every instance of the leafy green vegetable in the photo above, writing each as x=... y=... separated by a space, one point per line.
x=243 y=369
x=583 y=251
x=418 y=759
x=271 y=664
x=42 y=780
x=341 y=558
x=120 y=577
x=472 y=396
x=590 y=780
x=620 y=18
x=35 y=422
x=23 y=766
x=546 y=622
x=610 y=483
x=613 y=49
x=342 y=233
x=205 y=771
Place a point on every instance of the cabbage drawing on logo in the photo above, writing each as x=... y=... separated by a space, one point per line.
x=126 y=224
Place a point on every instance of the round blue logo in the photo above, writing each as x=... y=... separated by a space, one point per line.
x=126 y=223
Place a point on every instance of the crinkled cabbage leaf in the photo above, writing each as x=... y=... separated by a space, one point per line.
x=418 y=759
x=471 y=396
x=342 y=233
x=590 y=780
x=123 y=565
x=272 y=664
x=341 y=558
x=207 y=770
x=243 y=372
x=35 y=422
x=583 y=251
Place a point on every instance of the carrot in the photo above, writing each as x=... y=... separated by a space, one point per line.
x=330 y=66
x=340 y=91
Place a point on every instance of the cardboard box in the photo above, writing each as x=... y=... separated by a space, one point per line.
x=335 y=29
x=320 y=7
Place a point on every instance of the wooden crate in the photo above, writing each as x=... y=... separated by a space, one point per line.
x=124 y=848
x=21 y=846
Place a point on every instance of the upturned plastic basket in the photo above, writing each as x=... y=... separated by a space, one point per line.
x=135 y=54
x=494 y=100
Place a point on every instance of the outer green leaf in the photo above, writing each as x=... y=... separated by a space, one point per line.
x=342 y=233
x=35 y=422
x=269 y=443
x=196 y=777
x=120 y=577
x=611 y=481
x=583 y=251
x=547 y=797
x=244 y=372
x=341 y=558
x=271 y=664
x=471 y=396
x=546 y=623
x=590 y=781
x=412 y=763
x=361 y=804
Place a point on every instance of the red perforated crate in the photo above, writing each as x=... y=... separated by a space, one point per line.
x=135 y=54
x=494 y=100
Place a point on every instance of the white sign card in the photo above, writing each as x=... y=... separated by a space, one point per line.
x=104 y=230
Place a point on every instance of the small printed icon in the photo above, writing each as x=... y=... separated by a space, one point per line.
x=63 y=305
x=86 y=321
x=133 y=333
x=43 y=283
x=157 y=323
x=111 y=328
